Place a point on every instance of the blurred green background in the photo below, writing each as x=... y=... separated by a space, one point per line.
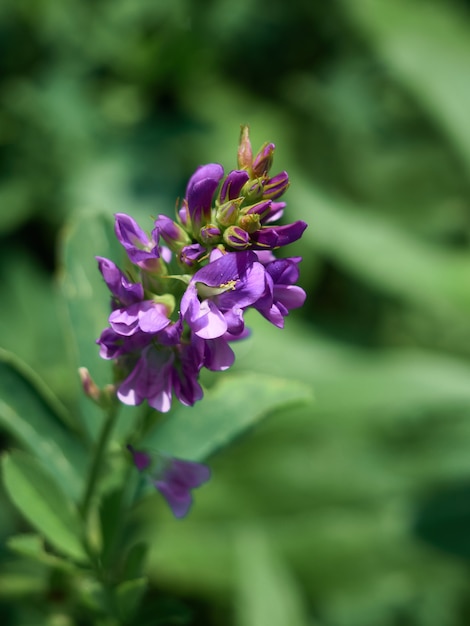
x=353 y=511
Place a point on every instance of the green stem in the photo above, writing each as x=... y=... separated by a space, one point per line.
x=98 y=458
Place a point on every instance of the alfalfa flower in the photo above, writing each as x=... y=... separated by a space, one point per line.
x=173 y=478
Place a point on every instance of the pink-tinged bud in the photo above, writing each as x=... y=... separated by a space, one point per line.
x=236 y=237
x=251 y=223
x=263 y=160
x=227 y=214
x=210 y=234
x=89 y=386
x=245 y=153
x=276 y=186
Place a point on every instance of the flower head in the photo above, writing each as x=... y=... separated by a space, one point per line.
x=182 y=300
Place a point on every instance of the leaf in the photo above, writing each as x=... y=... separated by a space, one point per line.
x=35 y=493
x=32 y=414
x=382 y=255
x=428 y=49
x=267 y=593
x=32 y=546
x=129 y=595
x=238 y=402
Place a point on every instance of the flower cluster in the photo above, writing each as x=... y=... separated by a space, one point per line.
x=182 y=300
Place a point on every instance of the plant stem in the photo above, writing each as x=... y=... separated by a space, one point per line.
x=98 y=458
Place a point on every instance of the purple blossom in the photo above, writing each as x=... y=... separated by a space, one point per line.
x=173 y=478
x=140 y=249
x=200 y=192
x=229 y=284
x=123 y=290
x=273 y=237
x=282 y=294
x=232 y=185
x=147 y=316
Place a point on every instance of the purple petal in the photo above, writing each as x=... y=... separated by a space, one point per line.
x=179 y=498
x=225 y=269
x=176 y=483
x=263 y=160
x=232 y=185
x=139 y=247
x=200 y=191
x=276 y=186
x=204 y=318
x=141 y=459
x=125 y=291
x=149 y=380
x=276 y=236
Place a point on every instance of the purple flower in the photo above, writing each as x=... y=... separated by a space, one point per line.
x=147 y=316
x=282 y=294
x=229 y=284
x=171 y=233
x=200 y=192
x=140 y=249
x=124 y=291
x=174 y=478
x=277 y=236
x=151 y=380
x=232 y=185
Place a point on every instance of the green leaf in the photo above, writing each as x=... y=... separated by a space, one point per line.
x=32 y=414
x=237 y=403
x=427 y=47
x=382 y=255
x=35 y=493
x=267 y=593
x=129 y=595
x=32 y=546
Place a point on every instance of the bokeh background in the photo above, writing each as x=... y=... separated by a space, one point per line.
x=353 y=511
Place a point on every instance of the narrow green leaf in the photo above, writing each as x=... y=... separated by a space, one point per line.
x=237 y=403
x=267 y=593
x=35 y=493
x=129 y=595
x=32 y=414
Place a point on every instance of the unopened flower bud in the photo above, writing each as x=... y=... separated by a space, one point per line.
x=89 y=386
x=190 y=255
x=250 y=223
x=252 y=191
x=245 y=153
x=261 y=209
x=236 y=237
x=276 y=186
x=173 y=235
x=210 y=234
x=227 y=214
x=263 y=160
x=232 y=185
